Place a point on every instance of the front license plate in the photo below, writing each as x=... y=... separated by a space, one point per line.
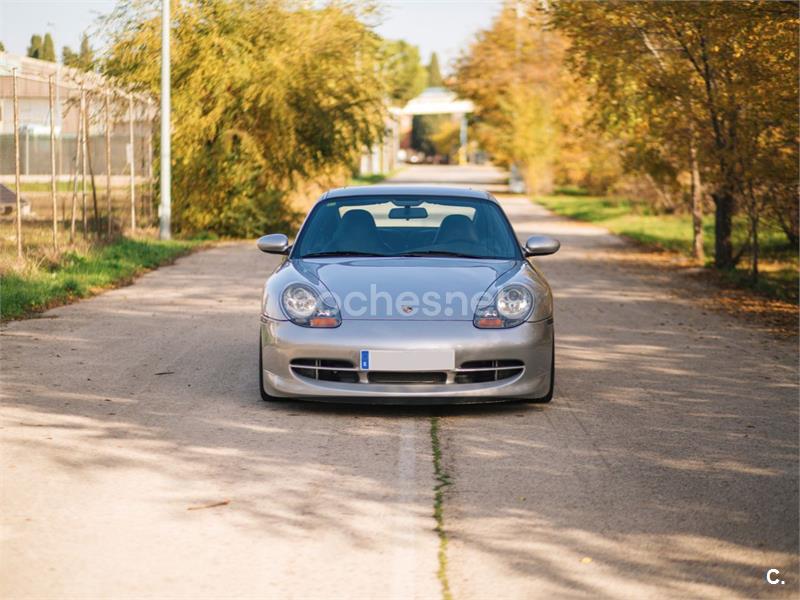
x=407 y=360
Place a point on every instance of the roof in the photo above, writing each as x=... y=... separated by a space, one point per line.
x=436 y=100
x=406 y=190
x=9 y=198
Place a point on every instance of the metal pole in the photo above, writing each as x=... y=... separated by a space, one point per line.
x=53 y=161
x=462 y=139
x=108 y=163
x=133 y=162
x=165 y=209
x=84 y=148
x=17 y=189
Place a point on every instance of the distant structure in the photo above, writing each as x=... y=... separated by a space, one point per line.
x=438 y=101
x=8 y=203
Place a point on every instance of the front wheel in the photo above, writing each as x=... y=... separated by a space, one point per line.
x=549 y=396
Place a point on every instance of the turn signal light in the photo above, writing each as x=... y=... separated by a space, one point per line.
x=323 y=322
x=490 y=323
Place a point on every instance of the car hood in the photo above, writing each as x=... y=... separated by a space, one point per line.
x=429 y=288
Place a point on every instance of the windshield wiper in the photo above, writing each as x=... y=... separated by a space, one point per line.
x=340 y=253
x=438 y=253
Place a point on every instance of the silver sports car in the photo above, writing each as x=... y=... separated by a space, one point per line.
x=407 y=295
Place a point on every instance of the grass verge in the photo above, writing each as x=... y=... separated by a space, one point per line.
x=442 y=481
x=373 y=179
x=779 y=274
x=76 y=274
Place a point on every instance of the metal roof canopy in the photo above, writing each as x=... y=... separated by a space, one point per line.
x=436 y=101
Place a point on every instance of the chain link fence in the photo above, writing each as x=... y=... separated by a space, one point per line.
x=76 y=156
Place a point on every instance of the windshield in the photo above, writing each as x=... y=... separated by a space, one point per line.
x=407 y=226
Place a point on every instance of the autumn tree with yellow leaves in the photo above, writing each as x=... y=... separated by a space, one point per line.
x=265 y=94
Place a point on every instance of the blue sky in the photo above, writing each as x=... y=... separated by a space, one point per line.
x=443 y=26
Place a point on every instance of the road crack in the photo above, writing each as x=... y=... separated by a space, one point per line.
x=442 y=481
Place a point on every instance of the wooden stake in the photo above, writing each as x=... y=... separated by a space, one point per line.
x=133 y=161
x=53 y=161
x=17 y=188
x=108 y=163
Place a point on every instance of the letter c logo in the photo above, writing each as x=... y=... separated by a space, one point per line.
x=775 y=580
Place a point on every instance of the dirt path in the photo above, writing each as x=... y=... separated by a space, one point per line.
x=665 y=467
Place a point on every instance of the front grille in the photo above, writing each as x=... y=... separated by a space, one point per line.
x=324 y=369
x=481 y=371
x=343 y=371
x=407 y=377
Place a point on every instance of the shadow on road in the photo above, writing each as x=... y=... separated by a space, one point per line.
x=668 y=457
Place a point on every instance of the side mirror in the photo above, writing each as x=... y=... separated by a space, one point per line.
x=540 y=245
x=275 y=243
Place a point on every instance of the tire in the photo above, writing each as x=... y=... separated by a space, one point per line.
x=549 y=396
x=264 y=395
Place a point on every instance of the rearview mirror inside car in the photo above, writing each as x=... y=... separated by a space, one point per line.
x=540 y=245
x=408 y=212
x=275 y=243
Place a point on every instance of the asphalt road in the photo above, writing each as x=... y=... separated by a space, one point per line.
x=666 y=466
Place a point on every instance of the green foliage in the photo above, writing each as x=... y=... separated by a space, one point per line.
x=423 y=128
x=81 y=274
x=403 y=72
x=2 y=47
x=721 y=76
x=35 y=47
x=446 y=139
x=530 y=110
x=434 y=73
x=48 y=49
x=372 y=179
x=636 y=221
x=83 y=59
x=265 y=94
x=42 y=48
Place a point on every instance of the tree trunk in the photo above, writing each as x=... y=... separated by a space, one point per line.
x=94 y=189
x=723 y=218
x=697 y=205
x=754 y=237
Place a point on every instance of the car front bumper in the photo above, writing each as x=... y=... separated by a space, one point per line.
x=283 y=342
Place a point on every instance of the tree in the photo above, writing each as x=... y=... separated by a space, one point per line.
x=2 y=47
x=263 y=97
x=423 y=128
x=35 y=48
x=530 y=111
x=68 y=56
x=725 y=72
x=83 y=59
x=403 y=72
x=48 y=49
x=434 y=74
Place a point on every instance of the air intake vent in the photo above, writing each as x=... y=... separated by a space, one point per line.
x=407 y=377
x=324 y=369
x=481 y=371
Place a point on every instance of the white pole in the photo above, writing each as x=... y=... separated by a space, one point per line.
x=53 y=161
x=17 y=188
x=165 y=209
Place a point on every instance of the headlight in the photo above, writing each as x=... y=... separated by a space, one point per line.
x=510 y=307
x=514 y=302
x=304 y=306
